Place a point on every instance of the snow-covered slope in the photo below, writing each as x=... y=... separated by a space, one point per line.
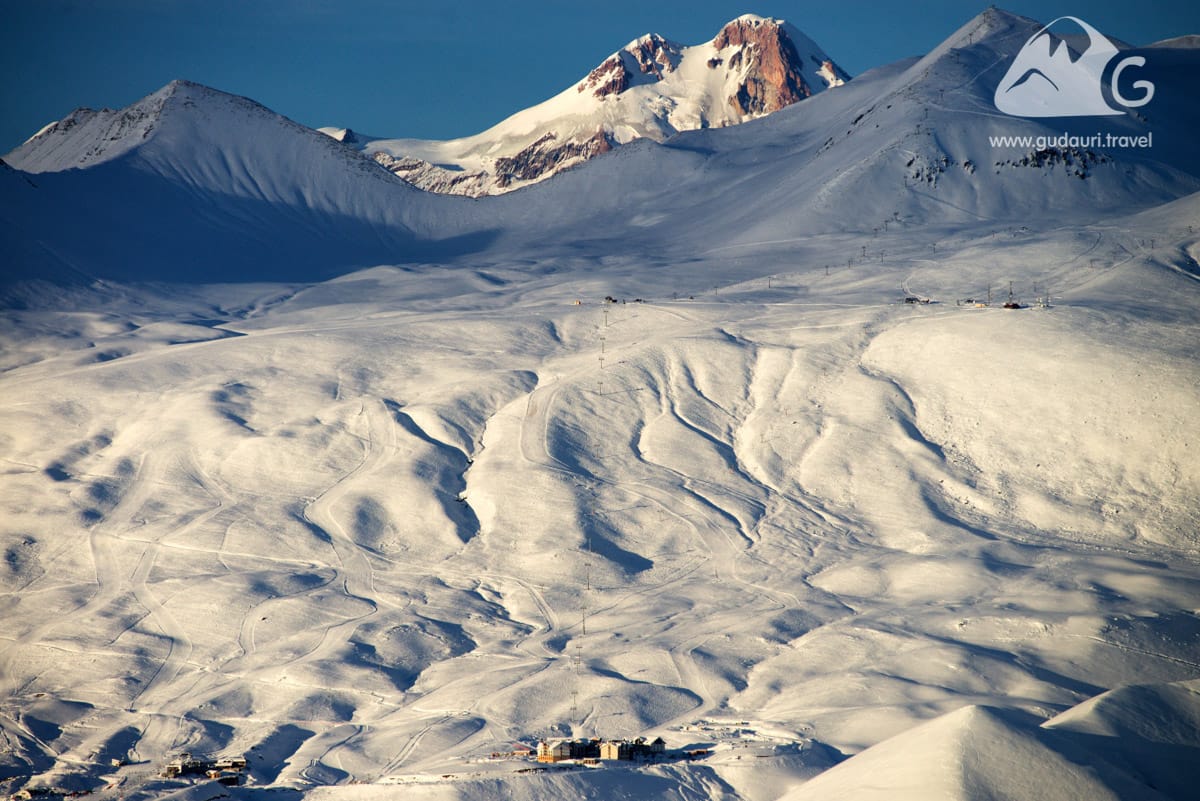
x=977 y=752
x=651 y=88
x=201 y=185
x=372 y=530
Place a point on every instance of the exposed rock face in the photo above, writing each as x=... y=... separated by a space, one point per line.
x=773 y=66
x=546 y=156
x=433 y=178
x=650 y=55
x=610 y=78
x=655 y=55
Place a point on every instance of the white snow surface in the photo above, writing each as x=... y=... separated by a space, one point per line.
x=367 y=484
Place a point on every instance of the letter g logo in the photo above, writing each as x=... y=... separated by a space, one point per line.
x=1145 y=86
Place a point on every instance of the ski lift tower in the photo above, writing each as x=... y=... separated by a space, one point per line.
x=1011 y=303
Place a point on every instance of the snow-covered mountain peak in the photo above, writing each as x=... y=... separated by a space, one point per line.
x=202 y=137
x=749 y=23
x=87 y=137
x=345 y=135
x=228 y=166
x=652 y=88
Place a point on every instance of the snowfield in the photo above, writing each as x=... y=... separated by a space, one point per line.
x=369 y=521
x=358 y=534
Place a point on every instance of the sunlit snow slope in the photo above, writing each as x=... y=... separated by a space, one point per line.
x=428 y=495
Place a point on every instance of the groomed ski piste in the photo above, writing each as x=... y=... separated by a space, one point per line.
x=701 y=441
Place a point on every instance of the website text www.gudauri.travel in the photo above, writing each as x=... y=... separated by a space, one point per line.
x=1104 y=140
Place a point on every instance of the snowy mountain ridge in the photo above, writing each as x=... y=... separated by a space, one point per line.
x=89 y=136
x=910 y=144
x=651 y=88
x=159 y=127
x=209 y=184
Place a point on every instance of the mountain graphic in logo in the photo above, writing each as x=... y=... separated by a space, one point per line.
x=1048 y=80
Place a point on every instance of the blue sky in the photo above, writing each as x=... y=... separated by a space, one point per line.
x=433 y=70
